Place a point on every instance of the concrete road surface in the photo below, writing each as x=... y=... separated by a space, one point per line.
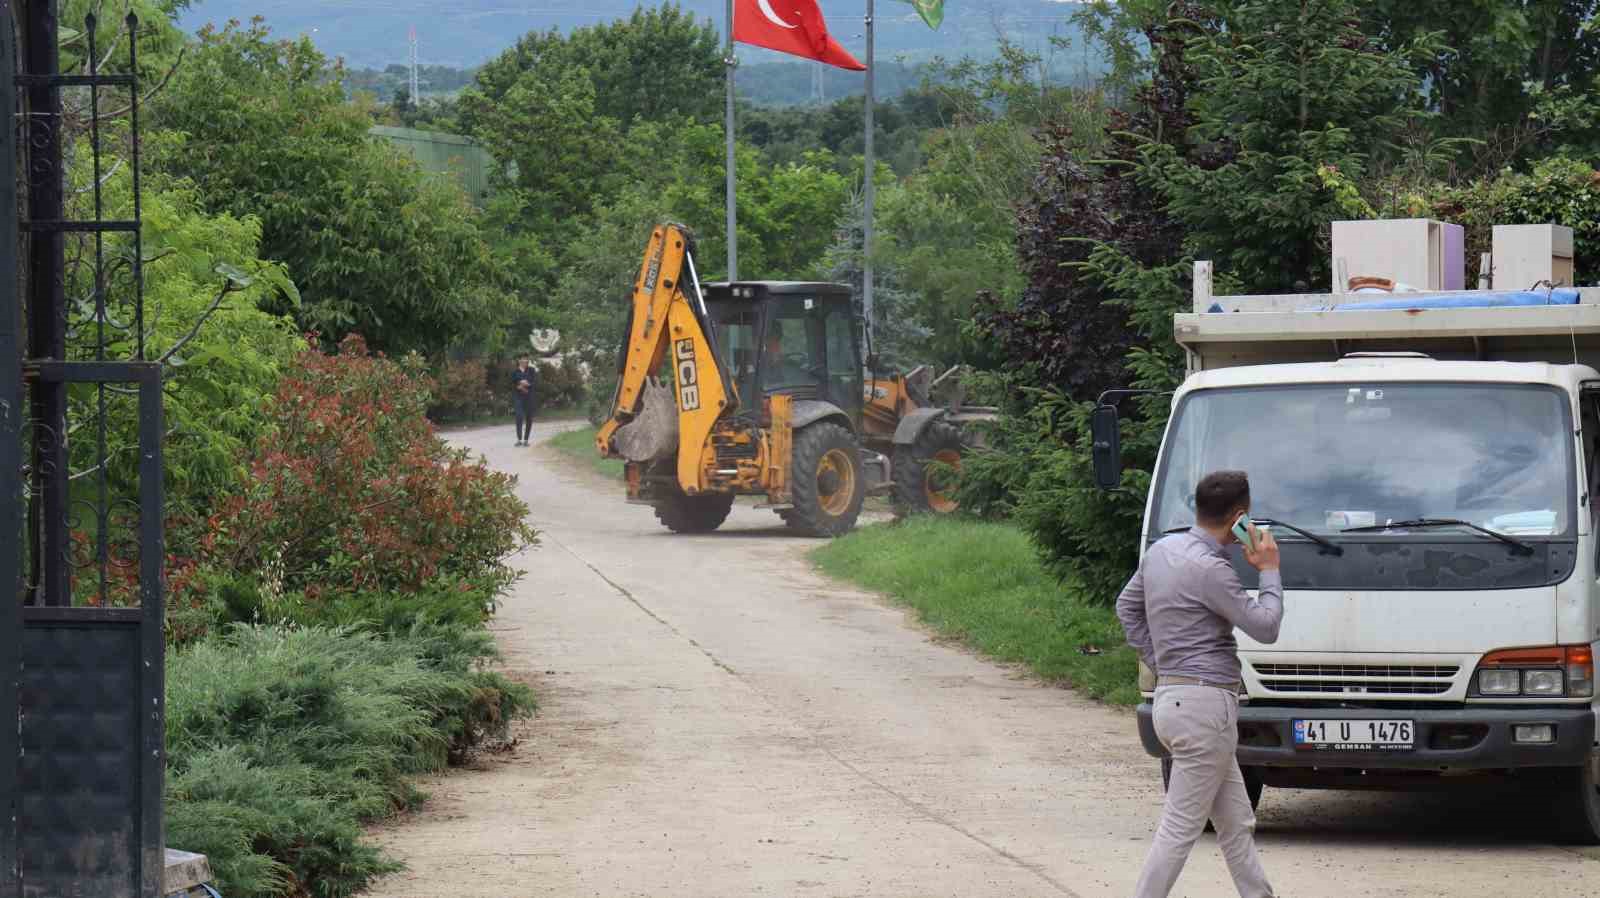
x=717 y=720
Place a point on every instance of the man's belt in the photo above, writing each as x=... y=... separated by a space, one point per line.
x=1234 y=687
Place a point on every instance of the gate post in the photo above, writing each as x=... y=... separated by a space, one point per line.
x=11 y=501
x=82 y=762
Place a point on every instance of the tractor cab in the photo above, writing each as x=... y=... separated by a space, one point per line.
x=787 y=337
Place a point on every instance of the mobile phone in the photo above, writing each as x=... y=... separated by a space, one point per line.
x=1241 y=531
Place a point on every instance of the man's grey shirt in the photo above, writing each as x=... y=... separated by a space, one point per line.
x=1181 y=606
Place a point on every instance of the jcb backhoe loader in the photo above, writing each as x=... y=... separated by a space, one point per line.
x=756 y=388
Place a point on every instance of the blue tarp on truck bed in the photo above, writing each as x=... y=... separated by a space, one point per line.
x=1486 y=300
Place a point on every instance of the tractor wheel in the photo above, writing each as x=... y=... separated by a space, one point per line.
x=694 y=514
x=826 y=482
x=919 y=484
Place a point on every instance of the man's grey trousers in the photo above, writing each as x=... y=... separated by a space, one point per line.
x=1199 y=725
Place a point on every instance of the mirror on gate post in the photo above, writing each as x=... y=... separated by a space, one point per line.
x=1106 y=446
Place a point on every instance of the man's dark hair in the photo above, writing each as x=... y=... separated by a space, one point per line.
x=1219 y=494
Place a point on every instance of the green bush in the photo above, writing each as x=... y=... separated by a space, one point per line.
x=602 y=391
x=242 y=816
x=463 y=393
x=1558 y=191
x=329 y=639
x=245 y=599
x=1039 y=469
x=282 y=742
x=1039 y=474
x=561 y=385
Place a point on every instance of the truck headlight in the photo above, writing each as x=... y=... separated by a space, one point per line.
x=1542 y=682
x=1544 y=671
x=1499 y=682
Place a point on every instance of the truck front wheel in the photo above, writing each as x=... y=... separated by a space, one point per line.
x=1252 y=785
x=1577 y=801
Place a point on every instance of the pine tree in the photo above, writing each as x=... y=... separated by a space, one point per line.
x=1291 y=101
x=899 y=339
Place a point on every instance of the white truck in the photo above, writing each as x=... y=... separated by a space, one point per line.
x=1428 y=462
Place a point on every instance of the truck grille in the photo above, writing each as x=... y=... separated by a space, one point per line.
x=1357 y=679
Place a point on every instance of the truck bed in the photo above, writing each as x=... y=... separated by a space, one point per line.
x=1228 y=331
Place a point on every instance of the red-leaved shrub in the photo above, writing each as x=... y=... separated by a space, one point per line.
x=349 y=488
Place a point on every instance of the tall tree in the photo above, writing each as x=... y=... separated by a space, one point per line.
x=1067 y=332
x=375 y=245
x=658 y=64
x=546 y=130
x=1239 y=148
x=1495 y=57
x=1291 y=97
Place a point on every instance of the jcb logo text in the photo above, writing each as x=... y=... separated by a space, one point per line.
x=688 y=375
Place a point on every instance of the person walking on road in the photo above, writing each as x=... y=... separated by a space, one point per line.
x=1179 y=612
x=522 y=381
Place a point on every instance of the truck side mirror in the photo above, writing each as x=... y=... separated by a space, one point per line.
x=1106 y=446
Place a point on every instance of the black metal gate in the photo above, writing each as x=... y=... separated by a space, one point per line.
x=80 y=472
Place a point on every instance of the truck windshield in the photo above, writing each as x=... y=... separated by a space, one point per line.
x=1326 y=457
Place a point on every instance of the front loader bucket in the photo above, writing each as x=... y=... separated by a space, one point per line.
x=653 y=433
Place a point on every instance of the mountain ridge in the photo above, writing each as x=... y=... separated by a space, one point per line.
x=373 y=33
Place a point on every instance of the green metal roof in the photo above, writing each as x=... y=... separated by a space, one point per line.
x=442 y=153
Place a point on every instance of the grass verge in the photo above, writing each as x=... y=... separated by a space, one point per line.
x=982 y=583
x=579 y=446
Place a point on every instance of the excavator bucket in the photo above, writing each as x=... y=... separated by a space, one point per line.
x=653 y=433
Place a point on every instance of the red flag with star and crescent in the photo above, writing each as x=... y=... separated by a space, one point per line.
x=790 y=26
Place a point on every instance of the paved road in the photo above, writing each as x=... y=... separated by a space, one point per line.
x=719 y=721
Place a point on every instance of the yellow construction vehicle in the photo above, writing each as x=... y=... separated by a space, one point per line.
x=756 y=388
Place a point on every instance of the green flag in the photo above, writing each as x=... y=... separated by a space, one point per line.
x=931 y=11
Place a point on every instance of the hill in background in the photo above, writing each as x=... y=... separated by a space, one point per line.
x=763 y=83
x=372 y=34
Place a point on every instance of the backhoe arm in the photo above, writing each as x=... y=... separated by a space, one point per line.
x=665 y=324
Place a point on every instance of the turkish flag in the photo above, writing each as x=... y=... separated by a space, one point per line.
x=790 y=26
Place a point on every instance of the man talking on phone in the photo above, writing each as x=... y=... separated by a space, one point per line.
x=1179 y=612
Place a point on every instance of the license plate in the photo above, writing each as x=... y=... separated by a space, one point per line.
x=1354 y=735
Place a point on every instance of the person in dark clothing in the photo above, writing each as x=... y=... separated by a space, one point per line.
x=522 y=381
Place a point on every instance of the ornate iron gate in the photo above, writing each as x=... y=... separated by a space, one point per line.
x=80 y=472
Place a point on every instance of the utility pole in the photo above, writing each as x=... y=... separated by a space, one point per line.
x=866 y=230
x=727 y=125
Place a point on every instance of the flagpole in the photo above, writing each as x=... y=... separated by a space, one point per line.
x=727 y=128
x=866 y=233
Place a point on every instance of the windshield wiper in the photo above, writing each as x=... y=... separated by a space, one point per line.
x=1329 y=547
x=1325 y=546
x=1522 y=547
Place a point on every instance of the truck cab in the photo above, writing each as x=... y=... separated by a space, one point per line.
x=1427 y=463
